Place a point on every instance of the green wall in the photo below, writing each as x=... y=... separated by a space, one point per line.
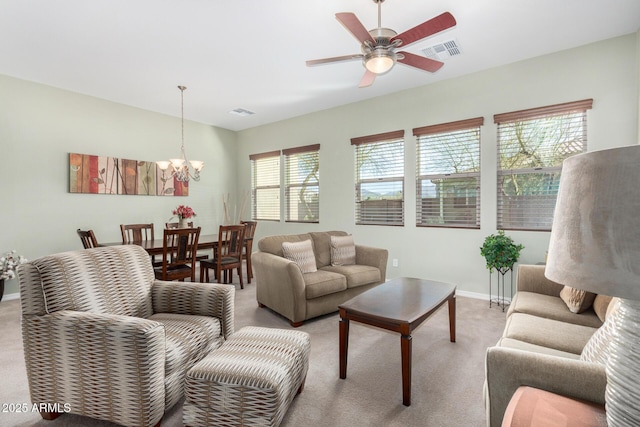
x=40 y=125
x=605 y=71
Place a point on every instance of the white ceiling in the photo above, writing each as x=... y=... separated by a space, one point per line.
x=251 y=53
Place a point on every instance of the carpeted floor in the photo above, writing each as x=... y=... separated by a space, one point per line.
x=446 y=387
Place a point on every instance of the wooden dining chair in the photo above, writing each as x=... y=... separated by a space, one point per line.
x=172 y=225
x=88 y=238
x=175 y=224
x=227 y=255
x=249 y=231
x=179 y=249
x=132 y=233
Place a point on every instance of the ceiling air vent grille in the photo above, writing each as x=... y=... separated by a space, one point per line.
x=443 y=50
x=243 y=112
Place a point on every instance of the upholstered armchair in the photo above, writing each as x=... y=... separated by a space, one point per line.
x=104 y=339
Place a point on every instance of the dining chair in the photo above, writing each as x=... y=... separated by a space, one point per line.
x=249 y=231
x=132 y=233
x=175 y=224
x=171 y=225
x=88 y=238
x=179 y=250
x=227 y=255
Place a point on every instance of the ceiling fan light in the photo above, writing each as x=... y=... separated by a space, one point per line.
x=379 y=63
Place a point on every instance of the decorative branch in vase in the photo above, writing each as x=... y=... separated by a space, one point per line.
x=229 y=211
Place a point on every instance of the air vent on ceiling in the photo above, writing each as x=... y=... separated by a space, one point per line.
x=243 y=112
x=443 y=50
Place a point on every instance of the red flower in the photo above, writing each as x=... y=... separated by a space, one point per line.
x=184 y=212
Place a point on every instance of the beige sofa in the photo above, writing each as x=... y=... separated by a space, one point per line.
x=541 y=346
x=282 y=287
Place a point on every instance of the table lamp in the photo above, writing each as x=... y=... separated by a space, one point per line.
x=595 y=246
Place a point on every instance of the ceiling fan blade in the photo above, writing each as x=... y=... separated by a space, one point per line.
x=354 y=26
x=367 y=79
x=426 y=29
x=314 y=62
x=426 y=64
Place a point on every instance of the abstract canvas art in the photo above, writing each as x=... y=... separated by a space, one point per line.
x=110 y=175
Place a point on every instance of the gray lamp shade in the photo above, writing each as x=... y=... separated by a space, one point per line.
x=595 y=237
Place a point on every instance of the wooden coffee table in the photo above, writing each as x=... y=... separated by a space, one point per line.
x=399 y=305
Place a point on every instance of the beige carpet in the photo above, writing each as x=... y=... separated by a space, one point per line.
x=446 y=387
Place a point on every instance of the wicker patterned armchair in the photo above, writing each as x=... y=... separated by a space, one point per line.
x=104 y=339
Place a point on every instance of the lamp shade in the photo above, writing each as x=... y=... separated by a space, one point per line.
x=595 y=237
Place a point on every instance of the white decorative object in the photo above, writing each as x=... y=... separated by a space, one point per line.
x=595 y=246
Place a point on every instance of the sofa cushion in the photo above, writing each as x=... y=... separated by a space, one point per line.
x=321 y=283
x=525 y=346
x=577 y=300
x=302 y=254
x=551 y=307
x=322 y=246
x=273 y=244
x=548 y=332
x=356 y=275
x=343 y=250
x=188 y=339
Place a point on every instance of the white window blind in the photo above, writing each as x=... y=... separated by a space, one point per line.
x=532 y=144
x=379 y=178
x=265 y=186
x=302 y=183
x=448 y=174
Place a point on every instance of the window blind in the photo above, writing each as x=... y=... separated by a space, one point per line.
x=302 y=183
x=532 y=144
x=379 y=181
x=265 y=186
x=448 y=174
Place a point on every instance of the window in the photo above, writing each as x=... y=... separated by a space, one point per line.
x=265 y=186
x=380 y=178
x=448 y=174
x=302 y=183
x=532 y=144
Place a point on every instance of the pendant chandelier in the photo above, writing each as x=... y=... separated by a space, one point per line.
x=181 y=170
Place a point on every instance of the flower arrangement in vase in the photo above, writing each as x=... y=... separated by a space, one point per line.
x=9 y=262
x=183 y=213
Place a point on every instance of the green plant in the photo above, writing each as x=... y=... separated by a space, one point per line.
x=500 y=252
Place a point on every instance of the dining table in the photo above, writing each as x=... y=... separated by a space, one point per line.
x=155 y=247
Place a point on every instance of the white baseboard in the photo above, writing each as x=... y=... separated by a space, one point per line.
x=477 y=295
x=7 y=297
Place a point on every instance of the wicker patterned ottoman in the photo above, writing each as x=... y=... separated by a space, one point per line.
x=250 y=381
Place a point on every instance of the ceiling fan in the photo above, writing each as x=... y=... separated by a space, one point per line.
x=379 y=45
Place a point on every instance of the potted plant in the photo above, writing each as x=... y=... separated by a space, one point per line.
x=500 y=252
x=8 y=264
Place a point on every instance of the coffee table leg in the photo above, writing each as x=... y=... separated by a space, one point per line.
x=405 y=349
x=452 y=318
x=344 y=346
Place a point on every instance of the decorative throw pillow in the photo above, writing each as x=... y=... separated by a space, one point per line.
x=302 y=254
x=343 y=250
x=576 y=299
x=600 y=306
